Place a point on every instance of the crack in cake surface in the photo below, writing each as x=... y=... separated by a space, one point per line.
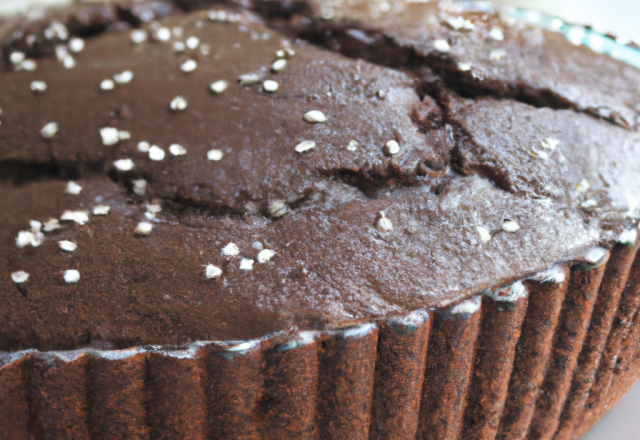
x=399 y=179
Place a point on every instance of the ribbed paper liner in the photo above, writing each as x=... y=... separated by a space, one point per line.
x=543 y=364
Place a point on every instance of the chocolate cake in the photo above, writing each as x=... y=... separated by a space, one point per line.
x=313 y=220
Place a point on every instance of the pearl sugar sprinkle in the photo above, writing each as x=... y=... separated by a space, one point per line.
x=305 y=146
x=442 y=46
x=510 y=226
x=76 y=44
x=123 y=164
x=80 y=217
x=139 y=36
x=315 y=116
x=248 y=79
x=156 y=153
x=219 y=86
x=485 y=235
x=73 y=188
x=49 y=130
x=279 y=65
x=178 y=104
x=246 y=264
x=101 y=210
x=230 y=250
x=71 y=276
x=107 y=84
x=192 y=43
x=19 y=277
x=68 y=246
x=110 y=136
x=188 y=66
x=277 y=208
x=384 y=224
x=391 y=148
x=163 y=34
x=214 y=155
x=270 y=86
x=265 y=255
x=143 y=228
x=212 y=271
x=124 y=77
x=38 y=86
x=177 y=150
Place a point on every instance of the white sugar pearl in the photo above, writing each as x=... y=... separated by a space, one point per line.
x=143 y=146
x=139 y=36
x=510 y=226
x=124 y=77
x=101 y=210
x=484 y=234
x=109 y=135
x=314 y=116
x=265 y=255
x=71 y=276
x=19 y=277
x=177 y=150
x=178 y=104
x=496 y=33
x=107 y=84
x=248 y=79
x=144 y=228
x=38 y=86
x=231 y=250
x=80 y=217
x=270 y=86
x=163 y=34
x=212 y=271
x=442 y=46
x=124 y=164
x=76 y=44
x=69 y=62
x=246 y=264
x=73 y=188
x=188 y=66
x=305 y=146
x=384 y=224
x=391 y=148
x=49 y=130
x=67 y=245
x=192 y=42
x=219 y=86
x=214 y=155
x=279 y=65
x=156 y=153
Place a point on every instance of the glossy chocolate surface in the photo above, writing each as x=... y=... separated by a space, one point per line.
x=484 y=190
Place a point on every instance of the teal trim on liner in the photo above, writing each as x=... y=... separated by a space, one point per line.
x=577 y=35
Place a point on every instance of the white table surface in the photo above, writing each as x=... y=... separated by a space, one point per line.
x=622 y=422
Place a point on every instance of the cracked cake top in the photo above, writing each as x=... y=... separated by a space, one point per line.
x=209 y=176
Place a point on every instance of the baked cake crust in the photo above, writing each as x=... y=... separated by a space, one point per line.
x=235 y=224
x=487 y=188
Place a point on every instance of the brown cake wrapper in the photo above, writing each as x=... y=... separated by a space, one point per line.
x=543 y=358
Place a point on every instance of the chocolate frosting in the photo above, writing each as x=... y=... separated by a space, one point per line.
x=485 y=188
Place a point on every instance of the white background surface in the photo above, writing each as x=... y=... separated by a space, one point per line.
x=621 y=18
x=622 y=422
